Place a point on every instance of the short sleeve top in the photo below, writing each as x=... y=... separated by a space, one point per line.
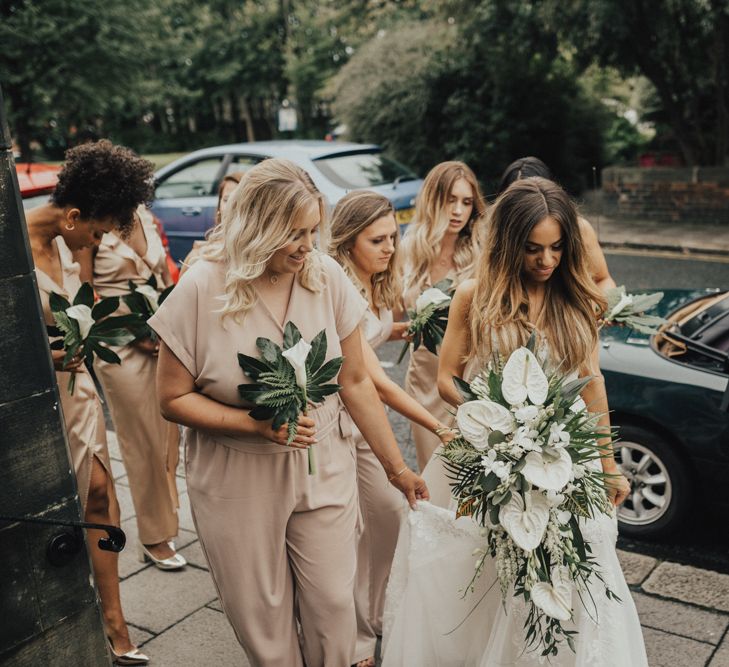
x=207 y=345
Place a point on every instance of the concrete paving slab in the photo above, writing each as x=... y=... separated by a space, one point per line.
x=155 y=600
x=194 y=554
x=113 y=443
x=129 y=562
x=215 y=604
x=680 y=619
x=138 y=636
x=667 y=650
x=124 y=496
x=117 y=470
x=205 y=638
x=690 y=584
x=184 y=514
x=721 y=657
x=636 y=567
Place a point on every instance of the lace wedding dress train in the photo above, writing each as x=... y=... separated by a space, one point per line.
x=431 y=620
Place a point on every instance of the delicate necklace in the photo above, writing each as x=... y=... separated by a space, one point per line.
x=49 y=255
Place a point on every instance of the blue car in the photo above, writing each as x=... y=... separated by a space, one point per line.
x=186 y=189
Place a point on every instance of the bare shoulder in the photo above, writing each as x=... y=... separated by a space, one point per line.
x=586 y=229
x=464 y=296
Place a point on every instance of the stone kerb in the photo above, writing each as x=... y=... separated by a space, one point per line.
x=668 y=194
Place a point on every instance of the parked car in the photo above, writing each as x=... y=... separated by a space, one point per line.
x=669 y=396
x=186 y=189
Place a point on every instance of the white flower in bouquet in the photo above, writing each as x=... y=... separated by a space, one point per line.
x=490 y=463
x=554 y=599
x=548 y=470
x=151 y=294
x=527 y=439
x=558 y=437
x=525 y=520
x=524 y=378
x=430 y=296
x=578 y=405
x=478 y=419
x=554 y=497
x=82 y=314
x=527 y=414
x=296 y=356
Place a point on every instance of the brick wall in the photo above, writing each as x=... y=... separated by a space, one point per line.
x=683 y=194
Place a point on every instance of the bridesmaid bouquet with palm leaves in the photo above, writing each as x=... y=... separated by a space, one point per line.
x=429 y=318
x=522 y=467
x=144 y=300
x=287 y=380
x=87 y=328
x=630 y=310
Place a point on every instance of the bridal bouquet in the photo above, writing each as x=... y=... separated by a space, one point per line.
x=630 y=309
x=520 y=466
x=87 y=328
x=429 y=318
x=287 y=380
x=144 y=300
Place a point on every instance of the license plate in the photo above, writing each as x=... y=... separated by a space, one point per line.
x=404 y=215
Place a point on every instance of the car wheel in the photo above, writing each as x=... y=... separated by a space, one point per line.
x=660 y=495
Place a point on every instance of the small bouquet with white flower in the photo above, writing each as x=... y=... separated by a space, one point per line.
x=630 y=310
x=86 y=328
x=286 y=381
x=522 y=467
x=429 y=319
x=144 y=300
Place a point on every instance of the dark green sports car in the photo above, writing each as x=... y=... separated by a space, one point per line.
x=669 y=396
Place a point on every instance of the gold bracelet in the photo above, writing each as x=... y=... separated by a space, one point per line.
x=397 y=474
x=442 y=430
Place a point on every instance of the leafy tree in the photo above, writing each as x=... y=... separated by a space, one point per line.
x=679 y=45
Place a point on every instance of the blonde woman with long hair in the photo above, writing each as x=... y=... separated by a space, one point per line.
x=534 y=277
x=442 y=242
x=280 y=542
x=364 y=240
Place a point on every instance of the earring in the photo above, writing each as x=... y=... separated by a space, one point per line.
x=69 y=228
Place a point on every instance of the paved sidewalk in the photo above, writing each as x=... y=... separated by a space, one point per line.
x=176 y=617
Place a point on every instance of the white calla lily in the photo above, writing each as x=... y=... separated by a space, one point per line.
x=524 y=378
x=554 y=599
x=151 y=294
x=525 y=520
x=551 y=472
x=478 y=419
x=82 y=314
x=429 y=296
x=296 y=356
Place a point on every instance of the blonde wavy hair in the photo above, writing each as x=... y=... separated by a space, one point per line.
x=422 y=242
x=499 y=313
x=257 y=221
x=352 y=215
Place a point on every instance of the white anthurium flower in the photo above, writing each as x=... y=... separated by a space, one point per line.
x=82 y=314
x=555 y=499
x=625 y=300
x=151 y=294
x=578 y=405
x=554 y=599
x=477 y=419
x=431 y=295
x=548 y=471
x=558 y=437
x=524 y=378
x=563 y=516
x=296 y=356
x=490 y=463
x=525 y=520
x=527 y=414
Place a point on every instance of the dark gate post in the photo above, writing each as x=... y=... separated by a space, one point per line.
x=49 y=614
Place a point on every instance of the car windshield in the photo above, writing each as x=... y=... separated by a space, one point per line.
x=363 y=170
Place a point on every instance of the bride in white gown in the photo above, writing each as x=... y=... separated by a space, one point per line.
x=533 y=276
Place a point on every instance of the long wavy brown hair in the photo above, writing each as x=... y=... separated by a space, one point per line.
x=499 y=312
x=422 y=242
x=352 y=215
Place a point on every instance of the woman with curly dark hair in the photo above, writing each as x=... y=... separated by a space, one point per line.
x=98 y=190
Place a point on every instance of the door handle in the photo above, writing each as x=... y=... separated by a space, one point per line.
x=191 y=210
x=65 y=544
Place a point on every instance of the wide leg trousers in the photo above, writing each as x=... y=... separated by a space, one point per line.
x=281 y=543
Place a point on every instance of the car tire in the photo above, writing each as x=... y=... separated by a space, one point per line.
x=661 y=493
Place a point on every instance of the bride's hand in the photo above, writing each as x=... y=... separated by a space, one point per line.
x=617 y=486
x=411 y=485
